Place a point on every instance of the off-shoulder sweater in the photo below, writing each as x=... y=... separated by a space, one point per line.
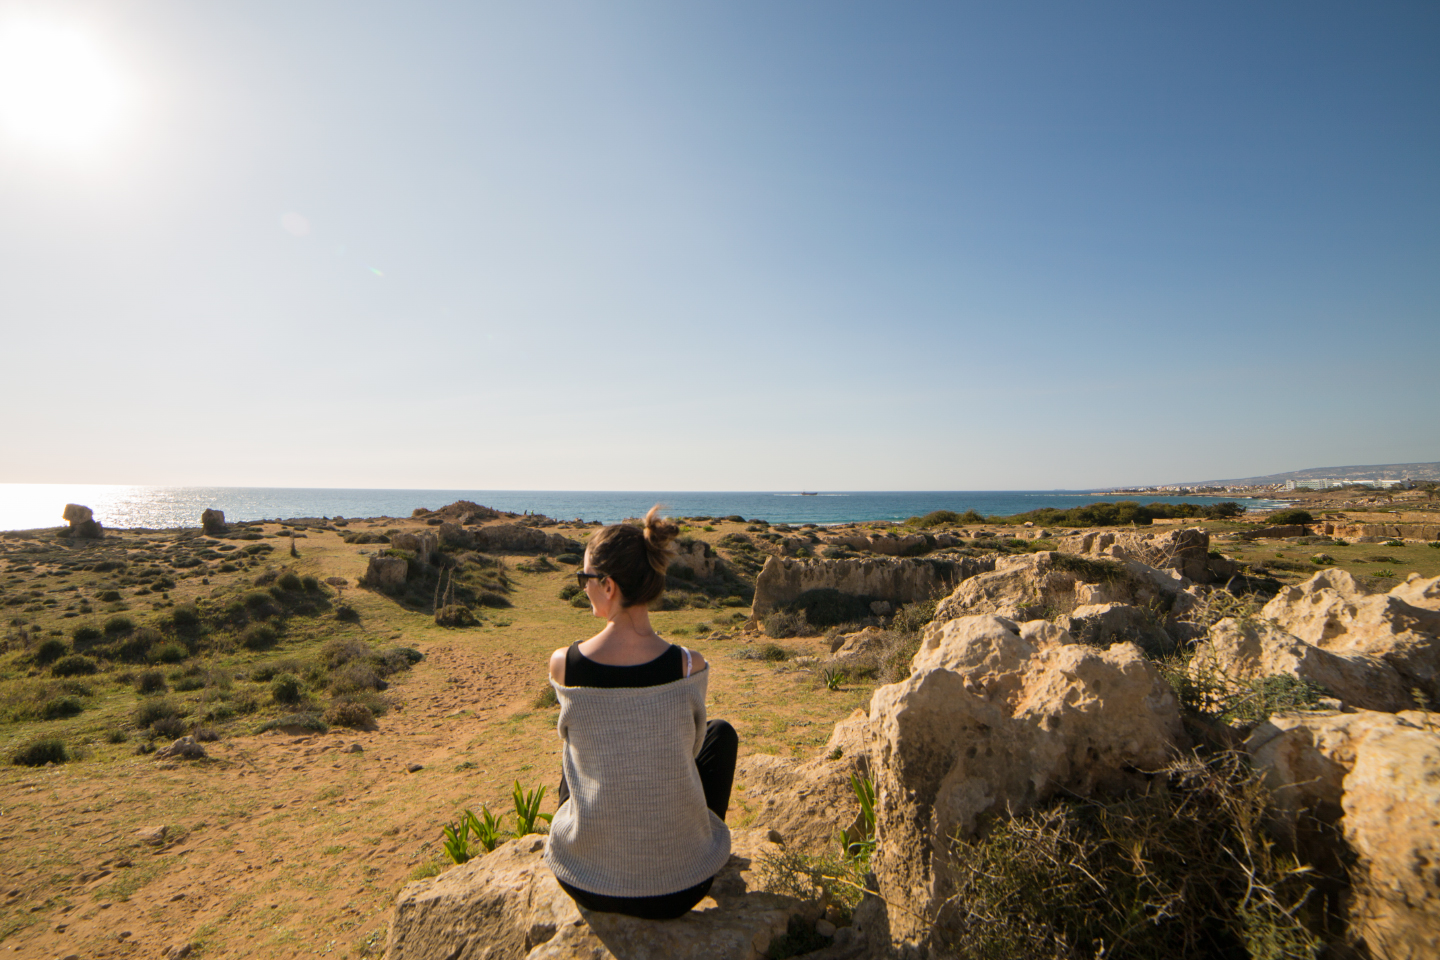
x=636 y=824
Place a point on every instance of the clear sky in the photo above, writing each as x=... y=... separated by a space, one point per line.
x=713 y=246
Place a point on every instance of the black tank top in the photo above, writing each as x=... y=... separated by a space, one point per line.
x=581 y=671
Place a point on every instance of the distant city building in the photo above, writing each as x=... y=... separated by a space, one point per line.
x=1333 y=484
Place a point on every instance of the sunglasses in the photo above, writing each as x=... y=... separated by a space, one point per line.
x=581 y=576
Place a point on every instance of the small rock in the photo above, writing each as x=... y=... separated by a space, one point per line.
x=183 y=749
x=122 y=935
x=825 y=928
x=354 y=748
x=151 y=835
x=415 y=767
x=179 y=950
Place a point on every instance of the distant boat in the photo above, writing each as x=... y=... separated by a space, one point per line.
x=807 y=493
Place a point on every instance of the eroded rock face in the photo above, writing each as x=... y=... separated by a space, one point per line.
x=82 y=521
x=1402 y=627
x=783 y=580
x=807 y=804
x=998 y=717
x=508 y=905
x=695 y=556
x=507 y=537
x=1238 y=653
x=1101 y=624
x=1376 y=776
x=890 y=545
x=422 y=543
x=1040 y=585
x=455 y=535
x=386 y=572
x=1184 y=551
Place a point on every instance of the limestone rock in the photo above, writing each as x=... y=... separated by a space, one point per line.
x=696 y=556
x=517 y=538
x=1185 y=551
x=888 y=544
x=461 y=511
x=212 y=521
x=996 y=719
x=386 y=572
x=1240 y=652
x=1401 y=627
x=508 y=905
x=422 y=543
x=1039 y=584
x=900 y=581
x=1273 y=533
x=152 y=836
x=808 y=804
x=848 y=646
x=183 y=749
x=1377 y=776
x=1101 y=624
x=455 y=535
x=75 y=513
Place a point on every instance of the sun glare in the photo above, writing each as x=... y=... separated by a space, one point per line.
x=58 y=89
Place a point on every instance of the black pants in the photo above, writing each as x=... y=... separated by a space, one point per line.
x=716 y=763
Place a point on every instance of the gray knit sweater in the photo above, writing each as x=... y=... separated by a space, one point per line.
x=636 y=824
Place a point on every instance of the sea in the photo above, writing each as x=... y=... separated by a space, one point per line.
x=25 y=506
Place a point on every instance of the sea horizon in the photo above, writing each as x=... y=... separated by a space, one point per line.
x=134 y=506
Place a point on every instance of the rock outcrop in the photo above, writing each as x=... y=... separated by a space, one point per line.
x=82 y=522
x=385 y=572
x=212 y=521
x=807 y=804
x=782 y=580
x=997 y=717
x=695 y=556
x=1376 y=778
x=516 y=538
x=888 y=544
x=421 y=543
x=1184 y=551
x=461 y=511
x=507 y=905
x=1402 y=627
x=1239 y=652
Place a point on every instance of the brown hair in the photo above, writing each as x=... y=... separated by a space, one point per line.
x=635 y=557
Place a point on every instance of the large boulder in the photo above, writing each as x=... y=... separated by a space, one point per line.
x=212 y=521
x=1184 y=551
x=782 y=580
x=1331 y=610
x=386 y=572
x=82 y=521
x=517 y=538
x=807 y=804
x=1239 y=652
x=996 y=718
x=507 y=904
x=1101 y=624
x=1375 y=779
x=454 y=535
x=422 y=543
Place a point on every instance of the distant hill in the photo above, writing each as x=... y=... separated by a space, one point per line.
x=1374 y=471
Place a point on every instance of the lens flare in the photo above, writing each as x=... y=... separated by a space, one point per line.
x=58 y=89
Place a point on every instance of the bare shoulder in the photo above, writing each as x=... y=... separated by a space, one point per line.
x=557 y=666
x=697 y=662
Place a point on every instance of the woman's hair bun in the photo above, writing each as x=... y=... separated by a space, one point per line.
x=659 y=539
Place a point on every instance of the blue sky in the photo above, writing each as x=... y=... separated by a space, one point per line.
x=728 y=246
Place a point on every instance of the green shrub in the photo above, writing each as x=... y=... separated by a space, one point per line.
x=75 y=665
x=168 y=652
x=348 y=713
x=119 y=624
x=86 y=634
x=37 y=753
x=189 y=682
x=149 y=682
x=580 y=601
x=354 y=676
x=570 y=559
x=786 y=623
x=157 y=709
x=136 y=647
x=108 y=596
x=340 y=651
x=396 y=659
x=570 y=590
x=116 y=735
x=290 y=582
x=258 y=636
x=1282 y=518
x=57 y=708
x=168 y=728
x=768 y=652
x=545 y=699
x=309 y=584
x=914 y=617
x=185 y=615
x=346 y=613
x=50 y=650
x=286 y=689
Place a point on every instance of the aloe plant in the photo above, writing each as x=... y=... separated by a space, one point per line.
x=457 y=840
x=486 y=827
x=834 y=678
x=527 y=809
x=862 y=844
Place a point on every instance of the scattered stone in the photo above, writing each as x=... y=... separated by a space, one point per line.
x=415 y=767
x=179 y=951
x=354 y=748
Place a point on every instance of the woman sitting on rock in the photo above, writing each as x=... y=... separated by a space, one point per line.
x=645 y=780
